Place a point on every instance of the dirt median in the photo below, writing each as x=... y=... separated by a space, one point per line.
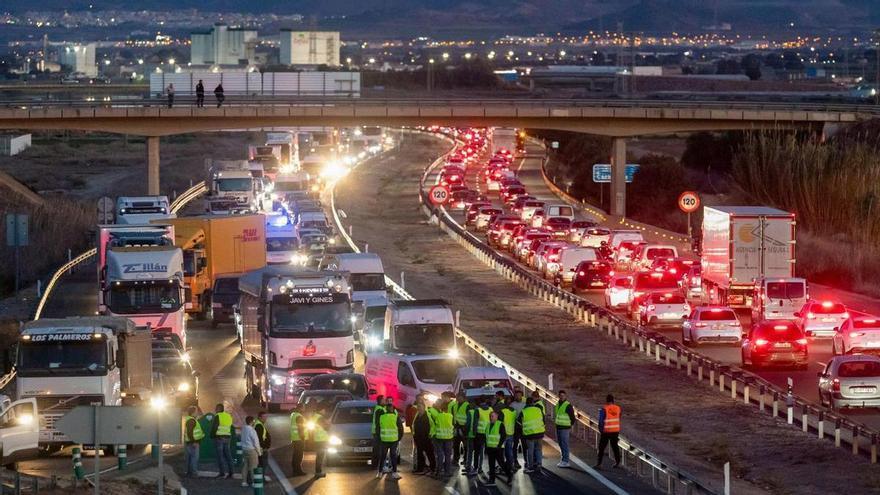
x=691 y=426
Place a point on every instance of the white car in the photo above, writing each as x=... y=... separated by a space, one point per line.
x=547 y=257
x=595 y=236
x=711 y=324
x=529 y=208
x=821 y=319
x=618 y=292
x=483 y=217
x=860 y=334
x=666 y=309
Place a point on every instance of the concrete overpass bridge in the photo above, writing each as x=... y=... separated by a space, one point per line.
x=618 y=119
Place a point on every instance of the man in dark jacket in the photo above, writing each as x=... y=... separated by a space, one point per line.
x=265 y=441
x=218 y=93
x=200 y=94
x=422 y=426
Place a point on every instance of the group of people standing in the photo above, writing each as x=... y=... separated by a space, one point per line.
x=200 y=94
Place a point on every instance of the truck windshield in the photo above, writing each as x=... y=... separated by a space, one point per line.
x=424 y=336
x=276 y=244
x=87 y=357
x=311 y=315
x=785 y=290
x=367 y=281
x=139 y=298
x=226 y=185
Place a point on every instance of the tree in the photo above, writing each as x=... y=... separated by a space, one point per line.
x=751 y=64
x=792 y=62
x=728 y=66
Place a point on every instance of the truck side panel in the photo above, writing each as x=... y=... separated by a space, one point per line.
x=236 y=244
x=746 y=261
x=779 y=247
x=717 y=247
x=252 y=341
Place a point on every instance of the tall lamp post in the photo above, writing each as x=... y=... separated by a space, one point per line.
x=430 y=74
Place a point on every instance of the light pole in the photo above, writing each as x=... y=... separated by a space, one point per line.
x=430 y=74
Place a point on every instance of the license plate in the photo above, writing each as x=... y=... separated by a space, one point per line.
x=596 y=283
x=827 y=320
x=670 y=316
x=782 y=345
x=360 y=450
x=863 y=390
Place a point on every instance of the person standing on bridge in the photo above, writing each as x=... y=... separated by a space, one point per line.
x=200 y=94
x=564 y=418
x=262 y=430
x=218 y=93
x=297 y=438
x=170 y=92
x=221 y=432
x=609 y=430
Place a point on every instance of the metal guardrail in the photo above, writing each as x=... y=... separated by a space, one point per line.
x=238 y=100
x=740 y=384
x=664 y=476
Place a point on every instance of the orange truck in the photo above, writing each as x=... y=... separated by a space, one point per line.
x=214 y=246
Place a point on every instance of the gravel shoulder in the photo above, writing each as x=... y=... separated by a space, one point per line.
x=691 y=426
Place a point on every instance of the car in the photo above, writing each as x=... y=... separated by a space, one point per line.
x=711 y=324
x=821 y=319
x=223 y=296
x=528 y=209
x=775 y=342
x=354 y=383
x=591 y=275
x=502 y=225
x=350 y=437
x=646 y=283
x=623 y=254
x=569 y=259
x=459 y=200
x=548 y=252
x=520 y=202
x=558 y=226
x=537 y=219
x=661 y=309
x=470 y=216
x=676 y=266
x=618 y=293
x=564 y=211
x=858 y=334
x=175 y=377
x=692 y=282
x=169 y=338
x=310 y=400
x=484 y=217
x=577 y=230
x=522 y=241
x=529 y=249
x=594 y=237
x=645 y=256
x=850 y=381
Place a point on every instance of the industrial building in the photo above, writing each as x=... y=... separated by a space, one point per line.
x=79 y=58
x=223 y=45
x=309 y=47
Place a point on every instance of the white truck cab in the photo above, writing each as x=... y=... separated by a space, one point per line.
x=366 y=274
x=421 y=326
x=139 y=210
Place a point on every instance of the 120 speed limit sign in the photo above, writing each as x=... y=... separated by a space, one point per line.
x=439 y=195
x=688 y=202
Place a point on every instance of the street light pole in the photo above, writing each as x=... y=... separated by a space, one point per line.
x=430 y=75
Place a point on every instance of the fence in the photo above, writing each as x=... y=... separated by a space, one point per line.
x=740 y=384
x=260 y=83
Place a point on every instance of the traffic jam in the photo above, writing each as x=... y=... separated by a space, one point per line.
x=734 y=298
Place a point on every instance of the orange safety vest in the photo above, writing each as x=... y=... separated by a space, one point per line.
x=612 y=418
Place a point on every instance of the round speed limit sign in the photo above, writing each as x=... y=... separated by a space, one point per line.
x=688 y=202
x=439 y=195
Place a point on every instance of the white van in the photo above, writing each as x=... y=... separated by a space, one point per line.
x=403 y=377
x=618 y=236
x=312 y=220
x=424 y=326
x=366 y=274
x=649 y=252
x=140 y=210
x=529 y=208
x=486 y=378
x=569 y=259
x=559 y=211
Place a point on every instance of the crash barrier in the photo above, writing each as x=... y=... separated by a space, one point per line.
x=742 y=385
x=187 y=196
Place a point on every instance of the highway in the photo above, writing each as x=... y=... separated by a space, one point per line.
x=804 y=381
x=216 y=355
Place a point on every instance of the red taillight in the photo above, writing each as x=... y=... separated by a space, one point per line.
x=309 y=350
x=835 y=385
x=761 y=342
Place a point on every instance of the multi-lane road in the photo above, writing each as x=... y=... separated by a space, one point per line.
x=216 y=355
x=804 y=381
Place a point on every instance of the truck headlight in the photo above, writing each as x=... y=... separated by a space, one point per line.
x=25 y=419
x=183 y=387
x=334 y=440
x=453 y=353
x=373 y=342
x=278 y=380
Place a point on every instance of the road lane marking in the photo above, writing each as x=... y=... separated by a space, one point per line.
x=589 y=470
x=279 y=475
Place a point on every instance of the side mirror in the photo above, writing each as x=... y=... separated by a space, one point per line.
x=260 y=321
x=372 y=391
x=120 y=358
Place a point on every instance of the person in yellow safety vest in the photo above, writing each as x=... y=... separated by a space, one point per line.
x=221 y=432
x=297 y=439
x=531 y=421
x=563 y=417
x=495 y=437
x=378 y=409
x=448 y=398
x=192 y=436
x=423 y=431
x=536 y=397
x=444 y=432
x=317 y=431
x=470 y=436
x=459 y=443
x=609 y=430
x=483 y=412
x=390 y=428
x=265 y=442
x=508 y=420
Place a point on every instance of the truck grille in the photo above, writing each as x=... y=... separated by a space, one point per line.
x=59 y=404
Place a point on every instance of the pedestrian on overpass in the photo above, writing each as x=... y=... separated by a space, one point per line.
x=378 y=409
x=564 y=417
x=297 y=439
x=170 y=92
x=251 y=451
x=221 y=432
x=495 y=437
x=192 y=435
x=390 y=427
x=319 y=425
x=218 y=93
x=262 y=430
x=531 y=420
x=200 y=94
x=609 y=430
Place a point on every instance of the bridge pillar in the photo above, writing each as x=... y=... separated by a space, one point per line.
x=152 y=165
x=618 y=177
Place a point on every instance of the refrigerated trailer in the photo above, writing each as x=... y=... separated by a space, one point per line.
x=748 y=260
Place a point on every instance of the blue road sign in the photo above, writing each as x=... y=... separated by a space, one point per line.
x=602 y=172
